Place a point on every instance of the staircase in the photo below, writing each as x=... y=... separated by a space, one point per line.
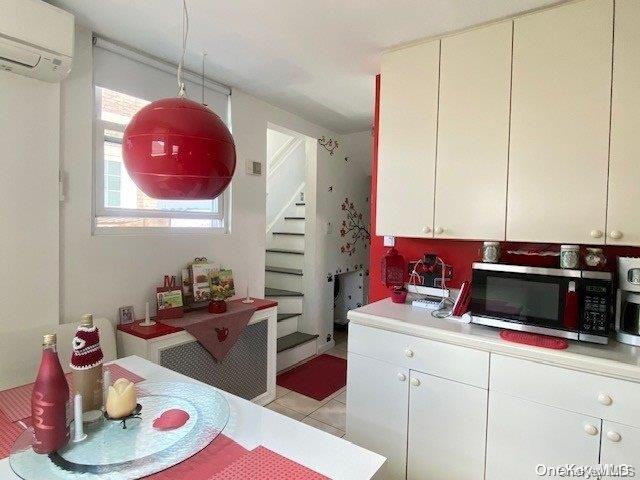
x=284 y=282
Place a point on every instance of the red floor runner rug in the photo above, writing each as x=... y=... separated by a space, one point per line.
x=318 y=378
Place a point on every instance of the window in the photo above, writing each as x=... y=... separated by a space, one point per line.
x=120 y=206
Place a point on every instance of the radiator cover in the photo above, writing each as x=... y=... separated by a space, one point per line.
x=243 y=372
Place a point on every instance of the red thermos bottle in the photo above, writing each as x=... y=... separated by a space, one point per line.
x=49 y=401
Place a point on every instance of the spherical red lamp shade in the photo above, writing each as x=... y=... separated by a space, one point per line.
x=178 y=149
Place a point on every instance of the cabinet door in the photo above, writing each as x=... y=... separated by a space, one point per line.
x=473 y=134
x=447 y=429
x=560 y=124
x=407 y=140
x=620 y=445
x=623 y=219
x=522 y=435
x=377 y=410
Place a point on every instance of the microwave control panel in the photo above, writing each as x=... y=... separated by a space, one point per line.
x=596 y=307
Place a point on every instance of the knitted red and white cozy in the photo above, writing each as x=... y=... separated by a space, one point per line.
x=86 y=348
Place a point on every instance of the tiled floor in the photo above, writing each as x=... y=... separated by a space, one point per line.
x=328 y=414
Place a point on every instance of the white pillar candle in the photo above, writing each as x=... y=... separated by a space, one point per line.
x=106 y=383
x=79 y=434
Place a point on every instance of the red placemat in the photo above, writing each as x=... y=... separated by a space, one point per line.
x=263 y=464
x=15 y=403
x=534 y=339
x=9 y=432
x=216 y=456
x=318 y=378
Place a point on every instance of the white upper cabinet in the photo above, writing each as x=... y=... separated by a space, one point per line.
x=407 y=141
x=623 y=219
x=560 y=124
x=473 y=134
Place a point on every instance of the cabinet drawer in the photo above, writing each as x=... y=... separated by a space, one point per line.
x=461 y=364
x=603 y=397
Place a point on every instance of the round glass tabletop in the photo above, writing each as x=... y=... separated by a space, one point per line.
x=111 y=452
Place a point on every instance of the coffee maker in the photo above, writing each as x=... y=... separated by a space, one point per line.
x=628 y=301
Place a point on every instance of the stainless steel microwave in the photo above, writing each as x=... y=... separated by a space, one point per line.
x=573 y=304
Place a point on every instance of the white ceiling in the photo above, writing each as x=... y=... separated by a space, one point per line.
x=314 y=58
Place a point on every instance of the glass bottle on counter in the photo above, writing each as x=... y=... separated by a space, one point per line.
x=86 y=365
x=50 y=401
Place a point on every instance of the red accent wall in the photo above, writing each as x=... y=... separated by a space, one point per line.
x=458 y=253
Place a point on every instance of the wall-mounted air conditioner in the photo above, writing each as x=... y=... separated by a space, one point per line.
x=36 y=39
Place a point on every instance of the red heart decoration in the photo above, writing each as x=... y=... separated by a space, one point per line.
x=170 y=419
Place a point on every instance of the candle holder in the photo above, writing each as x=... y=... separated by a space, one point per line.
x=135 y=414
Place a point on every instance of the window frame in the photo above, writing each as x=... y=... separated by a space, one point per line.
x=98 y=198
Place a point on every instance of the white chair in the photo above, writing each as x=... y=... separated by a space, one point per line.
x=21 y=350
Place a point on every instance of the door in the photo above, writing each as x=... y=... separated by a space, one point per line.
x=620 y=445
x=377 y=410
x=447 y=429
x=525 y=437
x=407 y=140
x=623 y=227
x=473 y=134
x=560 y=124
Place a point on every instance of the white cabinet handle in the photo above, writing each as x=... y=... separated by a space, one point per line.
x=605 y=399
x=408 y=352
x=615 y=234
x=415 y=382
x=596 y=233
x=426 y=229
x=590 y=429
x=614 y=436
x=439 y=230
x=402 y=377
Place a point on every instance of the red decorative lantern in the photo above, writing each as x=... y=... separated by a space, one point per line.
x=178 y=149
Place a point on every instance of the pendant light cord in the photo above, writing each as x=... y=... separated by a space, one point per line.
x=185 y=35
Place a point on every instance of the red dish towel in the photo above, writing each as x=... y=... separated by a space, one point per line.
x=263 y=464
x=218 y=332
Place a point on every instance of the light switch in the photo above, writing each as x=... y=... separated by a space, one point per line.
x=389 y=241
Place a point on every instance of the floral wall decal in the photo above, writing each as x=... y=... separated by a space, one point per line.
x=329 y=144
x=354 y=229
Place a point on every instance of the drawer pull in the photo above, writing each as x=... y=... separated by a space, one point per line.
x=605 y=399
x=415 y=382
x=408 y=352
x=590 y=429
x=614 y=436
x=402 y=377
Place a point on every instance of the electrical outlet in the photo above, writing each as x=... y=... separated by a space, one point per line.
x=389 y=241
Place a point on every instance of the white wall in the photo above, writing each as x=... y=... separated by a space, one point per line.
x=101 y=273
x=29 y=135
x=285 y=182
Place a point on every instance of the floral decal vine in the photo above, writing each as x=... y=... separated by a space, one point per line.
x=329 y=144
x=353 y=230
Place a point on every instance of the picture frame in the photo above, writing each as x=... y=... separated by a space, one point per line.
x=126 y=315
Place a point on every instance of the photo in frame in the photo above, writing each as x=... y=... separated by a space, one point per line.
x=126 y=315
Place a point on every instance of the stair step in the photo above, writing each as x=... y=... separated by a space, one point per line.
x=293 y=340
x=289 y=233
x=285 y=250
x=294 y=218
x=289 y=271
x=277 y=292
x=300 y=204
x=284 y=316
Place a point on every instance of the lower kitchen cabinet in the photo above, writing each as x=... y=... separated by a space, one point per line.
x=522 y=435
x=447 y=429
x=620 y=445
x=377 y=410
x=427 y=427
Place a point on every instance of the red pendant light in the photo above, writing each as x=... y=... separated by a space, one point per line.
x=178 y=149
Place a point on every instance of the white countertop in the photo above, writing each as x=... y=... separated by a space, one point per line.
x=251 y=425
x=614 y=360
